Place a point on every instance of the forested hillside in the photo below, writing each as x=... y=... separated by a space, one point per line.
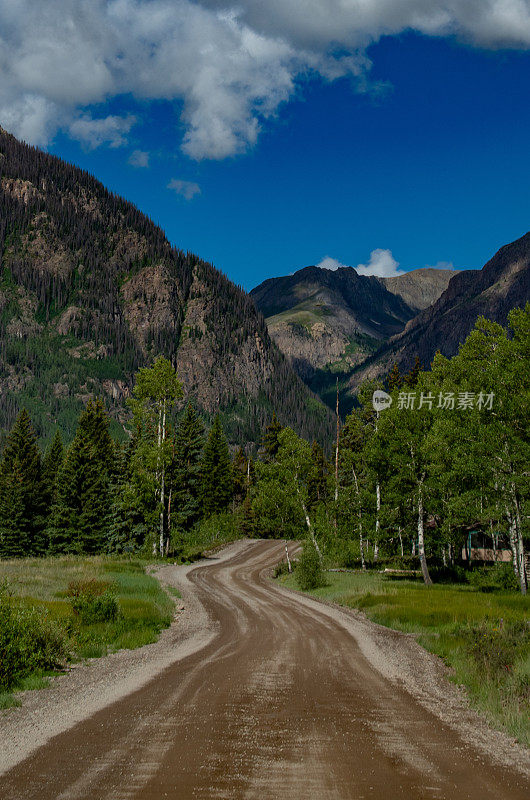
x=91 y=290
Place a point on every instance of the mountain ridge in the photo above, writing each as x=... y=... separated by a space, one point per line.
x=91 y=289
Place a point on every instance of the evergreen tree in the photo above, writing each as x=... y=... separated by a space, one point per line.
x=240 y=474
x=186 y=469
x=22 y=493
x=216 y=471
x=394 y=379
x=80 y=514
x=51 y=463
x=270 y=442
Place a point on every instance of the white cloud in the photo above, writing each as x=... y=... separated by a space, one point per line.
x=227 y=70
x=187 y=189
x=109 y=130
x=139 y=158
x=382 y=264
x=441 y=265
x=330 y=263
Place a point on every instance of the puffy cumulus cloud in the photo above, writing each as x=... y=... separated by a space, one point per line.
x=227 y=70
x=186 y=189
x=330 y=263
x=109 y=130
x=138 y=158
x=382 y=264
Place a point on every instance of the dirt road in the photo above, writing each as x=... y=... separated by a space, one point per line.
x=285 y=700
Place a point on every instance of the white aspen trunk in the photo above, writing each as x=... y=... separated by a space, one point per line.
x=359 y=514
x=400 y=542
x=311 y=531
x=421 y=541
x=413 y=548
x=288 y=559
x=377 y=522
x=161 y=441
x=162 y=499
x=168 y=522
x=519 y=542
x=513 y=544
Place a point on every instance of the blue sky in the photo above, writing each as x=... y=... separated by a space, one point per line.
x=423 y=152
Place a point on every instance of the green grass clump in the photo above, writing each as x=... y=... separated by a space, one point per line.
x=482 y=634
x=74 y=607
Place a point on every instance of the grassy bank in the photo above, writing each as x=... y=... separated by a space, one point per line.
x=58 y=609
x=483 y=636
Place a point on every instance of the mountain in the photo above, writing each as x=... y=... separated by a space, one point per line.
x=320 y=317
x=419 y=288
x=91 y=289
x=502 y=284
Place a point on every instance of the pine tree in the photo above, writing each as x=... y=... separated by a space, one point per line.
x=51 y=463
x=269 y=442
x=411 y=378
x=186 y=469
x=394 y=379
x=79 y=516
x=22 y=493
x=216 y=471
x=240 y=474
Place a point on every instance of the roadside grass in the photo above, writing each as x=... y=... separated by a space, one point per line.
x=41 y=587
x=483 y=637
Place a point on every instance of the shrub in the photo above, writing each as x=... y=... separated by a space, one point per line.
x=283 y=568
x=488 y=579
x=309 y=572
x=29 y=641
x=93 y=601
x=496 y=646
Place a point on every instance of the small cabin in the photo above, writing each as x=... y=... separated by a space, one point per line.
x=481 y=546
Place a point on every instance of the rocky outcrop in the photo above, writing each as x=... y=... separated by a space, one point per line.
x=420 y=288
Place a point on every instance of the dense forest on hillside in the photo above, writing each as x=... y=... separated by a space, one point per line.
x=91 y=290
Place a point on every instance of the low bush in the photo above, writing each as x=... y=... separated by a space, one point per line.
x=29 y=642
x=93 y=601
x=283 y=568
x=309 y=572
x=496 y=577
x=495 y=647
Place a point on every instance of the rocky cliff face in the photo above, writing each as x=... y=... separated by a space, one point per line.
x=90 y=290
x=502 y=284
x=420 y=288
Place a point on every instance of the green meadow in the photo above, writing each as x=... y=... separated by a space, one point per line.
x=117 y=605
x=482 y=636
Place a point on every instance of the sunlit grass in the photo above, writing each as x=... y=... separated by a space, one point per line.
x=145 y=608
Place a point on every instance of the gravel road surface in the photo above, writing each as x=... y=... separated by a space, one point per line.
x=257 y=692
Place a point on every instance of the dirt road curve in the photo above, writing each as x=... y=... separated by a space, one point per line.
x=280 y=703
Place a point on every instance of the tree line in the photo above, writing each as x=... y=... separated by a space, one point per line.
x=98 y=495
x=423 y=460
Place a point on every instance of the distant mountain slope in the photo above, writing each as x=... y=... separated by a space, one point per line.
x=420 y=288
x=320 y=317
x=90 y=289
x=502 y=284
